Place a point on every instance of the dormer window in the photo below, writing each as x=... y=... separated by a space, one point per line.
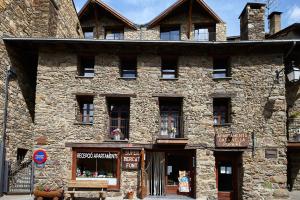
x=205 y=33
x=88 y=32
x=170 y=33
x=114 y=33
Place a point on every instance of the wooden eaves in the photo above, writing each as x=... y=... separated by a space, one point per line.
x=178 y=3
x=108 y=9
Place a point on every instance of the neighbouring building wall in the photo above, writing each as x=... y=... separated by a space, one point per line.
x=27 y=18
x=258 y=106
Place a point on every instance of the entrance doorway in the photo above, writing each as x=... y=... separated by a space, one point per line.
x=171 y=172
x=228 y=175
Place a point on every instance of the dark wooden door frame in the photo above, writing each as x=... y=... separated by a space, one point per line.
x=235 y=158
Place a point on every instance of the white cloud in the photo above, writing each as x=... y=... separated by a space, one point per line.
x=294 y=14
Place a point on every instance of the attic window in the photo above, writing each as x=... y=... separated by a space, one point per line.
x=204 y=33
x=88 y=32
x=170 y=33
x=114 y=34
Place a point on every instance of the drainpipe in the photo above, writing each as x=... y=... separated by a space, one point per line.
x=10 y=74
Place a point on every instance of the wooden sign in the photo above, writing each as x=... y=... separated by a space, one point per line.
x=238 y=140
x=131 y=159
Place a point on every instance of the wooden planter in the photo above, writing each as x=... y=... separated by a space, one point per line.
x=55 y=195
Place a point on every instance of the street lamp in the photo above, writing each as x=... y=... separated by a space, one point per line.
x=294 y=74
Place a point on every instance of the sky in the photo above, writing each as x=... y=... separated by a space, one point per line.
x=143 y=11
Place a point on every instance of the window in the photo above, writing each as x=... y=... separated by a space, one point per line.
x=170 y=117
x=204 y=33
x=119 y=118
x=98 y=165
x=221 y=110
x=88 y=33
x=128 y=67
x=169 y=68
x=85 y=113
x=225 y=177
x=170 y=33
x=21 y=153
x=114 y=34
x=221 y=68
x=86 y=66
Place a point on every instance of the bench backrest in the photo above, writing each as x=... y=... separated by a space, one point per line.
x=88 y=184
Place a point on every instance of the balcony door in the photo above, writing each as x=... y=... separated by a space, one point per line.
x=170 y=119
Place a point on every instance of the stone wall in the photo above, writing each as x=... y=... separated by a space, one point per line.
x=27 y=18
x=258 y=105
x=221 y=32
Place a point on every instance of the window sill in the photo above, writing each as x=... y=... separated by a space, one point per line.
x=220 y=79
x=168 y=79
x=127 y=78
x=222 y=125
x=117 y=141
x=83 y=124
x=87 y=77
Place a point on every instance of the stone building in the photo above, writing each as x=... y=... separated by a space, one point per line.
x=27 y=18
x=164 y=108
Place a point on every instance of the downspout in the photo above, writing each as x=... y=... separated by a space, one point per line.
x=10 y=73
x=288 y=185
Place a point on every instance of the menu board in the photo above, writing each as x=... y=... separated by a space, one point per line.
x=131 y=159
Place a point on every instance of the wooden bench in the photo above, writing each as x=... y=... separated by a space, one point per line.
x=74 y=187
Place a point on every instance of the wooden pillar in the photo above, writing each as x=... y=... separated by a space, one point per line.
x=189 y=22
x=97 y=26
x=143 y=187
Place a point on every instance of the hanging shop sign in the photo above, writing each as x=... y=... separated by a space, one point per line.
x=131 y=159
x=238 y=140
x=39 y=156
x=98 y=155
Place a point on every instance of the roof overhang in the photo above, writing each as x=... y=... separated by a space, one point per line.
x=150 y=46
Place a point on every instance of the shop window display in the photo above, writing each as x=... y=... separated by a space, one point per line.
x=97 y=166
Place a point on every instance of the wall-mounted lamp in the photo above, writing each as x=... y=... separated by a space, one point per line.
x=293 y=73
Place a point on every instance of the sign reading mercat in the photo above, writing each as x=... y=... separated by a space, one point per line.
x=131 y=159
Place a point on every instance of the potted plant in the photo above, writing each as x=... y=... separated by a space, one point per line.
x=44 y=191
x=116 y=134
x=172 y=131
x=130 y=194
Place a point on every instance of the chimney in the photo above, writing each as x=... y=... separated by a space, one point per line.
x=252 y=22
x=274 y=22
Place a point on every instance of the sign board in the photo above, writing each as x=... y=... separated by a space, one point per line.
x=97 y=155
x=39 y=156
x=238 y=140
x=184 y=182
x=131 y=159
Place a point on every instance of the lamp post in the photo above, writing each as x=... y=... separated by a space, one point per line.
x=10 y=74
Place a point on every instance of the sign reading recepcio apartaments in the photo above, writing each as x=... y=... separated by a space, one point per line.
x=97 y=155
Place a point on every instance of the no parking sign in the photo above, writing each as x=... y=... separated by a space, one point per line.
x=39 y=156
